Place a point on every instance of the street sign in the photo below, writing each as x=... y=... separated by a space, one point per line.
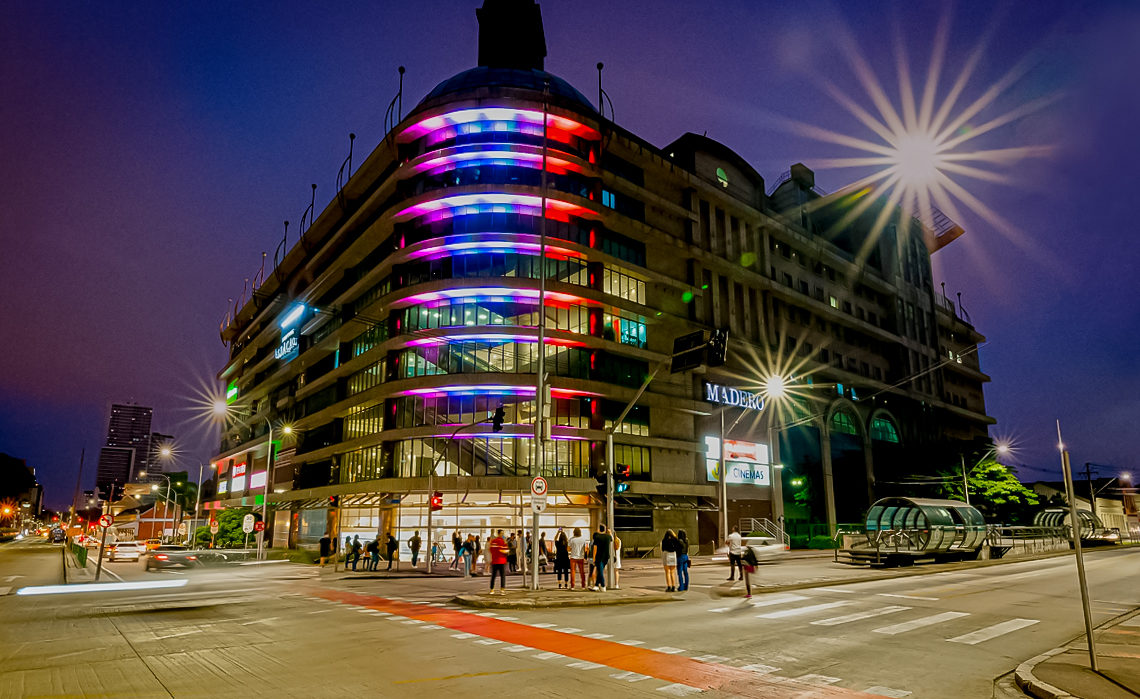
x=259 y=526
x=182 y=528
x=537 y=503
x=213 y=526
x=106 y=520
x=538 y=486
x=247 y=524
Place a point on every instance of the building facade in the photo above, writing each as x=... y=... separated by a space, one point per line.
x=409 y=311
x=127 y=448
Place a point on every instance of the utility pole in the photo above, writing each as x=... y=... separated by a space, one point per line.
x=1075 y=532
x=1092 y=492
x=541 y=385
x=965 y=483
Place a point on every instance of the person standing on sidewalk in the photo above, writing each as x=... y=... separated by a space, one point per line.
x=521 y=547
x=468 y=555
x=511 y=560
x=457 y=544
x=617 y=561
x=669 y=559
x=325 y=545
x=578 y=546
x=373 y=550
x=682 y=561
x=347 y=552
x=357 y=547
x=562 y=559
x=414 y=544
x=498 y=552
x=393 y=550
x=601 y=554
x=734 y=551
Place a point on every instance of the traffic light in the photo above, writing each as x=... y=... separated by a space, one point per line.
x=437 y=500
x=497 y=420
x=334 y=500
x=688 y=351
x=621 y=478
x=717 y=348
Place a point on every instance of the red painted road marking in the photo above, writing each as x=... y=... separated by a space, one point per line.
x=663 y=666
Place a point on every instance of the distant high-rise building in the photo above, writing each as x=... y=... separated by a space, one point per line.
x=127 y=448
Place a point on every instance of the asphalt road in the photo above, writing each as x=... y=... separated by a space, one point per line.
x=285 y=630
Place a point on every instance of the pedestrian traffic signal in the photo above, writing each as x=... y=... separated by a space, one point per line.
x=437 y=501
x=497 y=420
x=621 y=475
x=717 y=348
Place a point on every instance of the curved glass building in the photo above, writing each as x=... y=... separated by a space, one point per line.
x=408 y=312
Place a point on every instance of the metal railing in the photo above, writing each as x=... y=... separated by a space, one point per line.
x=767 y=526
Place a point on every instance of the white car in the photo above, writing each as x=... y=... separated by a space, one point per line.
x=125 y=551
x=767 y=549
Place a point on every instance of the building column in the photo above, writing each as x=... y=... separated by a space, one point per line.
x=869 y=465
x=828 y=479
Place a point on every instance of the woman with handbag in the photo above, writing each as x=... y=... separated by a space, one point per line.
x=669 y=559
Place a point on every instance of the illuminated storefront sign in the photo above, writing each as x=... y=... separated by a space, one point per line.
x=746 y=463
x=715 y=393
x=239 y=469
x=231 y=393
x=223 y=487
x=289 y=345
x=257 y=480
x=237 y=484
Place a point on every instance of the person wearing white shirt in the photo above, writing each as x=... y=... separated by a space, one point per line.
x=578 y=546
x=735 y=549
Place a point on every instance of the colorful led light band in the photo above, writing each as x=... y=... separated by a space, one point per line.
x=491 y=203
x=496 y=114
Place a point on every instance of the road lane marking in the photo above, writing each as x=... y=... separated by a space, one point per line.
x=260 y=621
x=669 y=650
x=176 y=635
x=551 y=644
x=463 y=636
x=710 y=658
x=516 y=648
x=817 y=680
x=776 y=599
x=679 y=690
x=881 y=691
x=544 y=626
x=760 y=669
x=585 y=665
x=569 y=629
x=599 y=636
x=994 y=631
x=840 y=590
x=891 y=594
x=488 y=641
x=629 y=676
x=632 y=643
x=797 y=611
x=858 y=616
x=920 y=623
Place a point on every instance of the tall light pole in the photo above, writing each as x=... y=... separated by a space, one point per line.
x=197 y=503
x=1075 y=531
x=996 y=449
x=166 y=500
x=287 y=430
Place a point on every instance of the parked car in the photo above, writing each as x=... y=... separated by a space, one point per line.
x=152 y=544
x=124 y=551
x=58 y=536
x=171 y=556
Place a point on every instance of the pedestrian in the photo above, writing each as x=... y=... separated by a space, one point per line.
x=469 y=552
x=617 y=562
x=748 y=563
x=601 y=555
x=457 y=544
x=478 y=554
x=512 y=558
x=522 y=546
x=682 y=561
x=393 y=549
x=734 y=551
x=578 y=545
x=499 y=563
x=347 y=551
x=562 y=559
x=357 y=547
x=669 y=559
x=373 y=550
x=542 y=559
x=414 y=544
x=325 y=545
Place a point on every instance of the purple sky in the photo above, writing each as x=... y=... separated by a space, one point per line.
x=152 y=150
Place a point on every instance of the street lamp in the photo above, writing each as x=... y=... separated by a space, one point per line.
x=286 y=430
x=167 y=499
x=1002 y=448
x=197 y=503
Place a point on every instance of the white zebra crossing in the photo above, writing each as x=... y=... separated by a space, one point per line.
x=994 y=631
x=859 y=616
x=919 y=623
x=799 y=611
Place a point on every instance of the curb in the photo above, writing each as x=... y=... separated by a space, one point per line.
x=1032 y=686
x=595 y=600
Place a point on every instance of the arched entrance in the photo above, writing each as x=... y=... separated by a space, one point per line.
x=844 y=449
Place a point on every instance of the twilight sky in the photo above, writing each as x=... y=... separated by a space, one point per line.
x=149 y=153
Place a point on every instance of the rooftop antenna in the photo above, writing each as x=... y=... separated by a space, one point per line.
x=394 y=114
x=310 y=213
x=342 y=177
x=282 y=250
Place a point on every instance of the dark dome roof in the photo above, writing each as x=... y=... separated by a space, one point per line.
x=485 y=76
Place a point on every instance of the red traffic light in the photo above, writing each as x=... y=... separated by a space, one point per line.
x=436 y=501
x=622 y=471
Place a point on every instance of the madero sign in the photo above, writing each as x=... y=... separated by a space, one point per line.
x=715 y=393
x=288 y=349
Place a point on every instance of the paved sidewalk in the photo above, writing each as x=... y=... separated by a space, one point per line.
x=553 y=598
x=1065 y=672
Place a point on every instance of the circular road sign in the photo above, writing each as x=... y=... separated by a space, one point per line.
x=538 y=486
x=106 y=520
x=213 y=526
x=247 y=524
x=259 y=526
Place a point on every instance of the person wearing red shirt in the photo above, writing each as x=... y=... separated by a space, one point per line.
x=499 y=548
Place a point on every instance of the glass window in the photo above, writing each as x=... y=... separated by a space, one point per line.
x=843 y=424
x=883 y=430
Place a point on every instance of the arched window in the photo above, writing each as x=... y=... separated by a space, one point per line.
x=843 y=424
x=883 y=430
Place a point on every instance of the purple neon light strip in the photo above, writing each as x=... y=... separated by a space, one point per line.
x=494 y=114
x=521 y=203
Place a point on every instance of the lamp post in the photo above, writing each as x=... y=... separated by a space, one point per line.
x=286 y=430
x=996 y=449
x=166 y=501
x=197 y=503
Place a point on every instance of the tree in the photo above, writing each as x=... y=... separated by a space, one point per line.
x=995 y=491
x=229 y=534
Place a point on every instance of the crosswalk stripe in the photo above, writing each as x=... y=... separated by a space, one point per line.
x=629 y=676
x=598 y=636
x=547 y=656
x=760 y=669
x=632 y=643
x=569 y=629
x=670 y=650
x=891 y=594
x=544 y=626
x=992 y=631
x=679 y=690
x=776 y=599
x=920 y=623
x=710 y=658
x=585 y=665
x=797 y=611
x=857 y=616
